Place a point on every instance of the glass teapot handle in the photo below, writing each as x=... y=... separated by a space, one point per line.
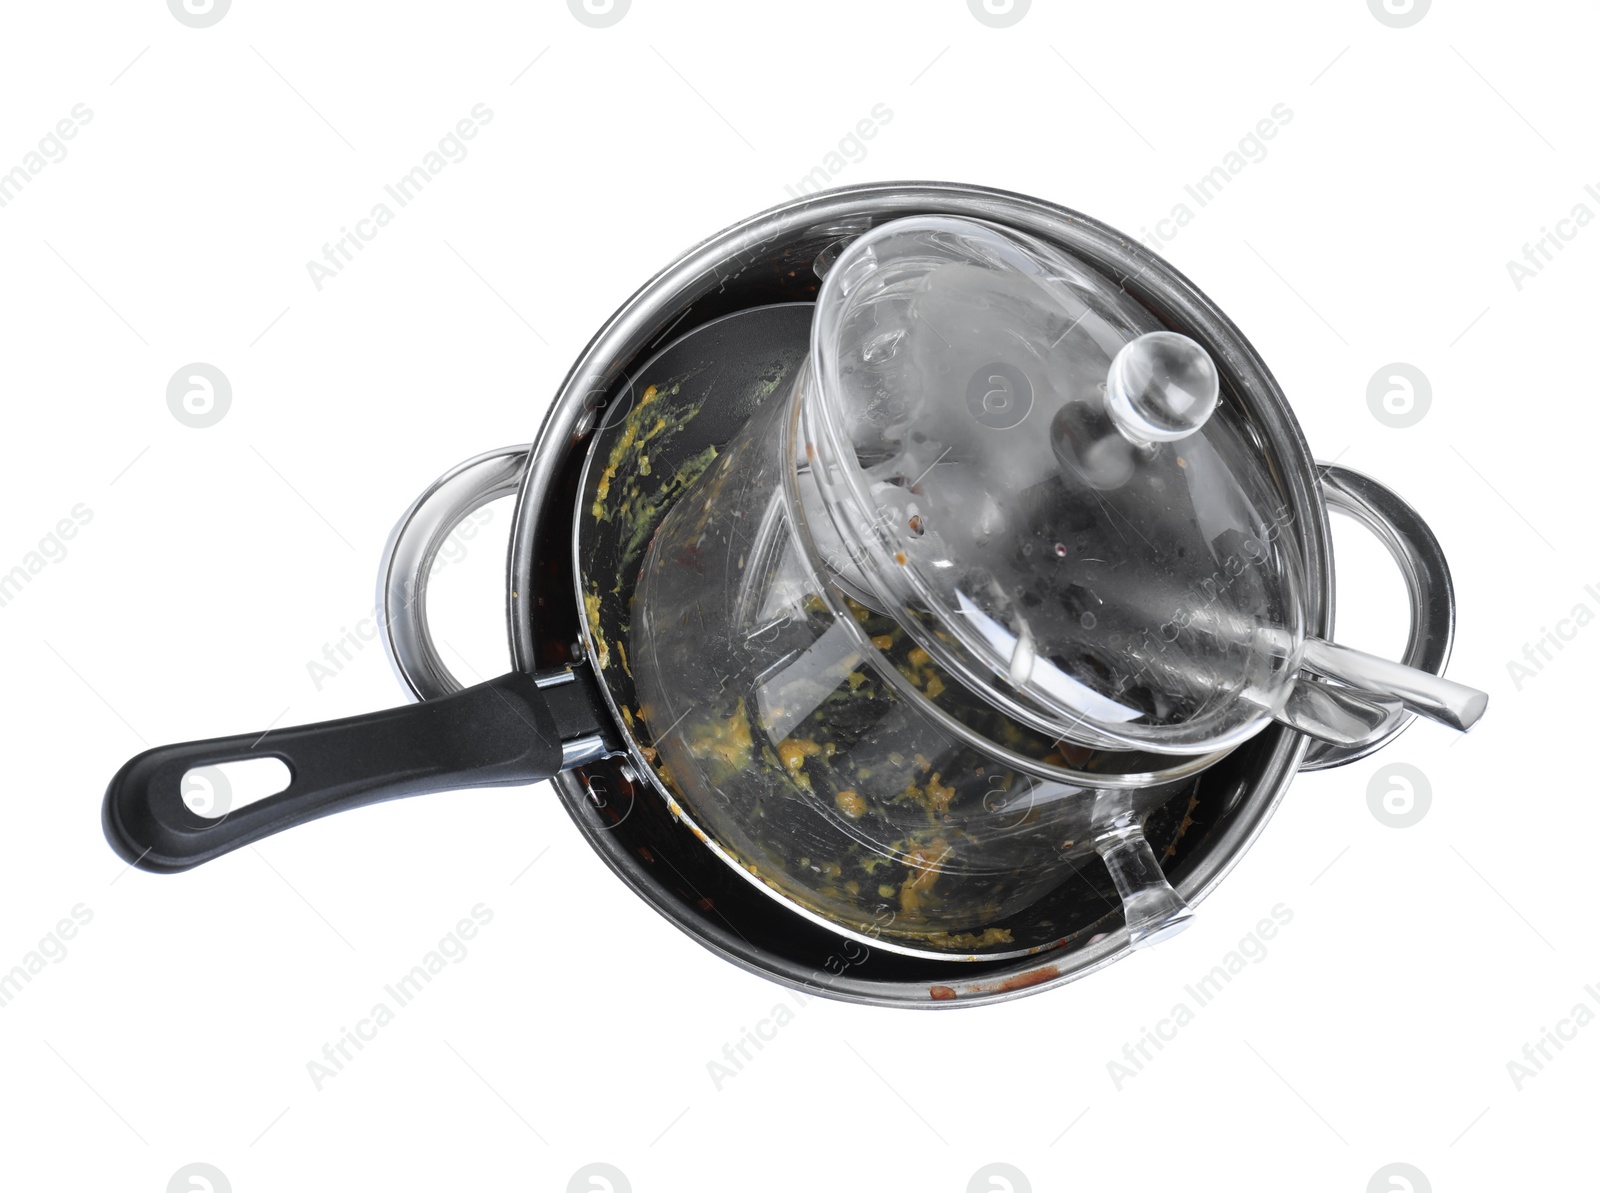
x=1151 y=908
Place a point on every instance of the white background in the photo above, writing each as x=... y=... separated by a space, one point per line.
x=218 y=563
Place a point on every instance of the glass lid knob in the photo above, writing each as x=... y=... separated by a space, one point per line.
x=1161 y=386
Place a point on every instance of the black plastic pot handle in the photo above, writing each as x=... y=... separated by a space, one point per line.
x=507 y=731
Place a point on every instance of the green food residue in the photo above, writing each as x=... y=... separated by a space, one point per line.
x=623 y=495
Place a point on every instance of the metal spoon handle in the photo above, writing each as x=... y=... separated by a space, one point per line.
x=1338 y=715
x=1425 y=694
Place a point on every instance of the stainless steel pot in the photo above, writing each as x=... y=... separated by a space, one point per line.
x=768 y=259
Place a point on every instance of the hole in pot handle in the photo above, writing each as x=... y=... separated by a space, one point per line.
x=215 y=791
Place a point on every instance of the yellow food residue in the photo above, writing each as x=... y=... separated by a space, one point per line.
x=971 y=940
x=725 y=741
x=851 y=804
x=924 y=864
x=591 y=610
x=938 y=797
x=795 y=751
x=620 y=449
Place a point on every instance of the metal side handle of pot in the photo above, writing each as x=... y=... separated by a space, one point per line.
x=516 y=729
x=1433 y=610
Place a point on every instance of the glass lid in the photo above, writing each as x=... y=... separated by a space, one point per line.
x=1033 y=476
